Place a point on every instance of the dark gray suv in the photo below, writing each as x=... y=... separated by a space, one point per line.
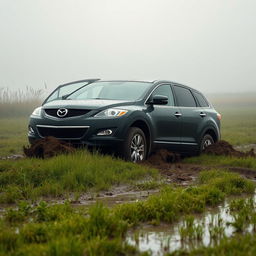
x=133 y=117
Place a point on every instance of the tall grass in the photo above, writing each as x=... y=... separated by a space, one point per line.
x=78 y=172
x=19 y=102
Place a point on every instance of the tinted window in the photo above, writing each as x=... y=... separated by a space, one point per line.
x=184 y=97
x=201 y=100
x=164 y=90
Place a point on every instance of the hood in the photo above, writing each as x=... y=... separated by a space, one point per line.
x=85 y=104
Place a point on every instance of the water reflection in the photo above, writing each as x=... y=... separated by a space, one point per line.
x=213 y=225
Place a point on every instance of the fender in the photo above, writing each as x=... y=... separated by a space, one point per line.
x=210 y=127
x=140 y=116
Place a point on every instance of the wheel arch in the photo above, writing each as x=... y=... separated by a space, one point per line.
x=211 y=131
x=145 y=128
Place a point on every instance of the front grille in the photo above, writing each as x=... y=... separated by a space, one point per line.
x=71 y=112
x=59 y=132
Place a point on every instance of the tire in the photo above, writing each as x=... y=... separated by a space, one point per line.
x=134 y=148
x=206 y=142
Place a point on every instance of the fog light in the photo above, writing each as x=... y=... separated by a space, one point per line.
x=105 y=132
x=31 y=130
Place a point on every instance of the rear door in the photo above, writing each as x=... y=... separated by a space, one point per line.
x=166 y=122
x=191 y=117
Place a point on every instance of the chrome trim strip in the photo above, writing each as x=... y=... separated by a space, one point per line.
x=52 y=126
x=175 y=143
x=61 y=119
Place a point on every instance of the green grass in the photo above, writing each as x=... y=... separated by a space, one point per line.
x=238 y=125
x=62 y=230
x=171 y=203
x=78 y=172
x=212 y=160
x=13 y=135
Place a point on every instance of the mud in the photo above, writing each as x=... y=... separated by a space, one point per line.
x=117 y=195
x=162 y=159
x=47 y=147
x=224 y=148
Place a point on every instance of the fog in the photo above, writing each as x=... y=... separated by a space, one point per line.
x=206 y=44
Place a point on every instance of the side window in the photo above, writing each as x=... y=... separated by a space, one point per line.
x=164 y=90
x=184 y=97
x=202 y=101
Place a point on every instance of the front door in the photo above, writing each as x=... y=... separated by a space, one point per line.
x=165 y=118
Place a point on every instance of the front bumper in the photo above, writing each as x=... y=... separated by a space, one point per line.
x=91 y=126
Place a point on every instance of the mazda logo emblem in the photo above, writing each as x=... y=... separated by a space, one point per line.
x=62 y=112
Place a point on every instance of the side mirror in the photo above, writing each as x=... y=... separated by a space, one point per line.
x=159 y=100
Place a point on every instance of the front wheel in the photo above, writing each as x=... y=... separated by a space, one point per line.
x=135 y=146
x=206 y=142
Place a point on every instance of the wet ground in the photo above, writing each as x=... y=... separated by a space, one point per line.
x=246 y=147
x=163 y=238
x=211 y=227
x=170 y=166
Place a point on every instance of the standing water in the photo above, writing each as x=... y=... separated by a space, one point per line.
x=195 y=231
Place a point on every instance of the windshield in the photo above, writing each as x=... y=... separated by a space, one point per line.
x=65 y=90
x=114 y=90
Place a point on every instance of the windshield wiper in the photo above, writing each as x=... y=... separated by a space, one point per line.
x=89 y=81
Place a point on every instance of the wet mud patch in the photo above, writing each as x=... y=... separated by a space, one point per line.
x=172 y=169
x=117 y=195
x=223 y=148
x=162 y=159
x=48 y=147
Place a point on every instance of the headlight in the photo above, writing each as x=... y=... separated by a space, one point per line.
x=37 y=112
x=112 y=112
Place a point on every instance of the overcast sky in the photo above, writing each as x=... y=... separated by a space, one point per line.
x=207 y=44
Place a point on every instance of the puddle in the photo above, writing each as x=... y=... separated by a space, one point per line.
x=211 y=227
x=110 y=199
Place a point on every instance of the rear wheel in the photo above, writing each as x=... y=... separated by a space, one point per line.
x=135 y=146
x=206 y=142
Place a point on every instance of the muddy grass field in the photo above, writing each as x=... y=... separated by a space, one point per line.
x=84 y=203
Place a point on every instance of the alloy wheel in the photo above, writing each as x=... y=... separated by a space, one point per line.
x=207 y=143
x=137 y=148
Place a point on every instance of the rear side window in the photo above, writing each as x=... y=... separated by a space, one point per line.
x=201 y=100
x=184 y=97
x=164 y=90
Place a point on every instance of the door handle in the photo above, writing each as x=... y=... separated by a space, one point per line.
x=202 y=114
x=177 y=114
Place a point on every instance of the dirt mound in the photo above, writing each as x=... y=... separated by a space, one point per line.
x=47 y=147
x=162 y=158
x=224 y=148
